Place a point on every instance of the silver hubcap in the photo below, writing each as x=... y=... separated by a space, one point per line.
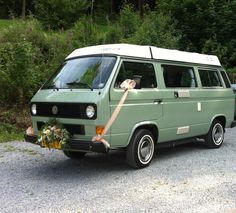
x=145 y=149
x=218 y=134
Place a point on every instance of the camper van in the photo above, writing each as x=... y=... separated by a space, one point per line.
x=178 y=97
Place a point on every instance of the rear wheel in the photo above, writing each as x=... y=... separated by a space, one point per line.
x=140 y=151
x=73 y=154
x=215 y=136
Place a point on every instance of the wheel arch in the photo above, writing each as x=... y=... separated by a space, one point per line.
x=221 y=118
x=215 y=136
x=151 y=126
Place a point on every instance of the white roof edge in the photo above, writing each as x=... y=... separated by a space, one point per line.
x=117 y=49
x=147 y=52
x=176 y=55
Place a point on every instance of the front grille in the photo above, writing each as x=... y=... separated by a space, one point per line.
x=64 y=110
x=73 y=129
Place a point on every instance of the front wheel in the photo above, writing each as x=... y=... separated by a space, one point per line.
x=215 y=136
x=140 y=151
x=74 y=155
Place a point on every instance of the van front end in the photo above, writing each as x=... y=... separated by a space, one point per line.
x=78 y=114
x=77 y=98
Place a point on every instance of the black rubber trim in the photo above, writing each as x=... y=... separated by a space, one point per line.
x=233 y=124
x=87 y=146
x=76 y=145
x=31 y=138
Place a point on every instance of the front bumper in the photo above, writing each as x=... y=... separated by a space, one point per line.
x=74 y=144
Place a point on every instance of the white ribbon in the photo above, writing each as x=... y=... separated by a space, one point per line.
x=30 y=131
x=126 y=85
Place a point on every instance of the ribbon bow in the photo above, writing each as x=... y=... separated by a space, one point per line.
x=128 y=84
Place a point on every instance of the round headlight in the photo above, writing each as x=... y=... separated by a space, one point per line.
x=34 y=109
x=90 y=111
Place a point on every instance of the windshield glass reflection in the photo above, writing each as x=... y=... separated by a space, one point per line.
x=87 y=72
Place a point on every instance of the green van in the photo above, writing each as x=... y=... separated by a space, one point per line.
x=179 y=97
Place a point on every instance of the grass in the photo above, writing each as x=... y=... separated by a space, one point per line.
x=13 y=123
x=10 y=148
x=5 y=23
x=29 y=151
x=9 y=133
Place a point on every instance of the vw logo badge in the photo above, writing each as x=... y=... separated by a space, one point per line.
x=54 y=110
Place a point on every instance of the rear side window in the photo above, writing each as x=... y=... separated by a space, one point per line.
x=210 y=78
x=179 y=76
x=226 y=79
x=137 y=70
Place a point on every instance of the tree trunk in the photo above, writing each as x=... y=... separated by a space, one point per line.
x=23 y=9
x=140 y=7
x=111 y=7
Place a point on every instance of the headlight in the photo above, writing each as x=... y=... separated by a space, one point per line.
x=90 y=111
x=34 y=109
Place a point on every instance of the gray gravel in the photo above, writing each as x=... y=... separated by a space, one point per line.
x=188 y=178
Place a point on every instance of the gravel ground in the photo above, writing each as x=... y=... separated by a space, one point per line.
x=188 y=178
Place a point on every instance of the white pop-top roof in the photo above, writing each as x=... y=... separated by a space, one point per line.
x=146 y=52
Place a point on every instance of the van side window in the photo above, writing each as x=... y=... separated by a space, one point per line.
x=178 y=76
x=133 y=70
x=210 y=78
x=226 y=79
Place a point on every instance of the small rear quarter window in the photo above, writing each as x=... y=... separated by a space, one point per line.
x=210 y=78
x=226 y=79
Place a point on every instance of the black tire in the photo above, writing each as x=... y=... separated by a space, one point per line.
x=74 y=155
x=140 y=151
x=215 y=136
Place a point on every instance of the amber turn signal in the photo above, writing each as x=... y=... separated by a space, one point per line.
x=99 y=130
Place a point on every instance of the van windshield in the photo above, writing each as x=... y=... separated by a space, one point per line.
x=86 y=72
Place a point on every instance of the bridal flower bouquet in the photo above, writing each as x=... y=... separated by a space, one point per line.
x=53 y=135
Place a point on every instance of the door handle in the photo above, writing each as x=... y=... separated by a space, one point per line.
x=157 y=101
x=176 y=94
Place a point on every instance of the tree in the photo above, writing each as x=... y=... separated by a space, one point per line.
x=140 y=7
x=206 y=26
x=57 y=14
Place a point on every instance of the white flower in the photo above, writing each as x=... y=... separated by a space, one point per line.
x=47 y=132
x=53 y=128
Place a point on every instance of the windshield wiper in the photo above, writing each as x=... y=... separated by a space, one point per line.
x=51 y=87
x=75 y=83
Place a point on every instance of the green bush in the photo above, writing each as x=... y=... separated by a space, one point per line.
x=113 y=34
x=232 y=70
x=86 y=33
x=129 y=20
x=157 y=30
x=17 y=69
x=28 y=55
